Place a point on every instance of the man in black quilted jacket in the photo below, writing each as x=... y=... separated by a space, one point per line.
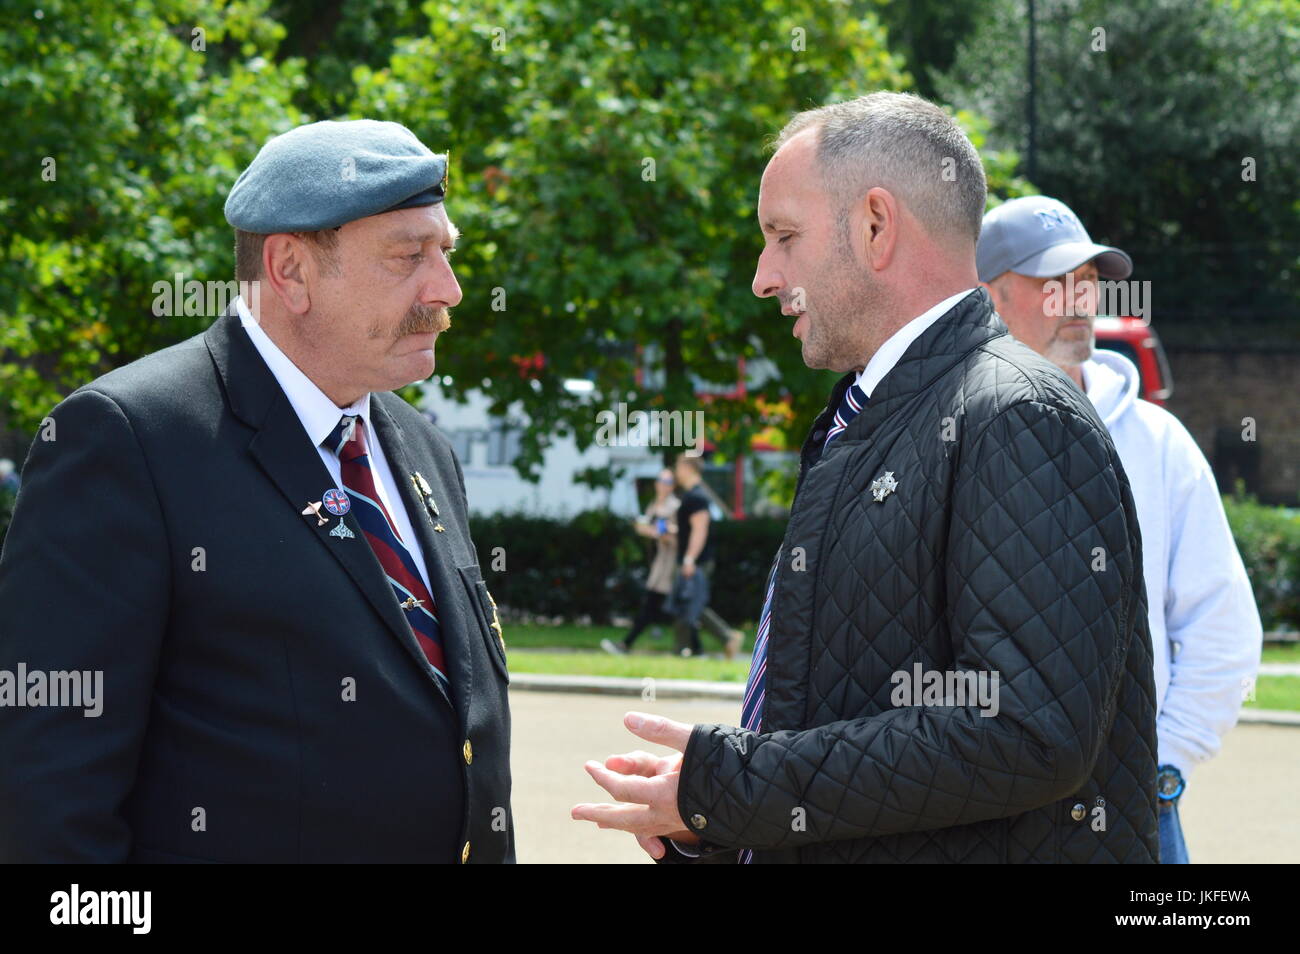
x=952 y=662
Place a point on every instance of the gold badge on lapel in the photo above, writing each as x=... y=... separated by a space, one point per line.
x=426 y=494
x=313 y=509
x=496 y=620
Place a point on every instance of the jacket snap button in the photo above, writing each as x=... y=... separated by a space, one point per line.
x=464 y=854
x=698 y=820
x=467 y=750
x=1079 y=812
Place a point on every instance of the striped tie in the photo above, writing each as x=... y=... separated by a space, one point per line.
x=851 y=406
x=348 y=442
x=751 y=710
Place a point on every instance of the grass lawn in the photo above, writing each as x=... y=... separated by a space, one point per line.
x=1276 y=692
x=636 y=666
x=575 y=650
x=1289 y=653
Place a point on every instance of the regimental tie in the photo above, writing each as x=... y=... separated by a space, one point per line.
x=751 y=710
x=348 y=442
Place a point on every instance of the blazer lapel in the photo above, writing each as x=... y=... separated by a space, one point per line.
x=444 y=580
x=283 y=450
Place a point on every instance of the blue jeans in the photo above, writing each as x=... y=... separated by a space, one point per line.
x=1173 y=849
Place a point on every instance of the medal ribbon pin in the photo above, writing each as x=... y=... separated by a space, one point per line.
x=426 y=494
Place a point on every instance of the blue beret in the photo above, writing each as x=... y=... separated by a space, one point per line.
x=324 y=174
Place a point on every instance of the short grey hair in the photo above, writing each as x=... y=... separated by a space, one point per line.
x=902 y=143
x=248 y=252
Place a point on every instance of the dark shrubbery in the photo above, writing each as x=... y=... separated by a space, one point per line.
x=592 y=566
x=1269 y=541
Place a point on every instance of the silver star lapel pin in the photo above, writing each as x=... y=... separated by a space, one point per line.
x=883 y=486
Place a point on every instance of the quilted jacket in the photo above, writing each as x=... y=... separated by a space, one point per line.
x=1008 y=546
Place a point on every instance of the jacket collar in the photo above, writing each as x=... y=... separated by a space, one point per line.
x=282 y=448
x=969 y=324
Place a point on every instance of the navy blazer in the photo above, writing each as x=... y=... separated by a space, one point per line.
x=264 y=699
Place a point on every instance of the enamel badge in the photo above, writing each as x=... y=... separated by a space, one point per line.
x=883 y=486
x=342 y=531
x=336 y=501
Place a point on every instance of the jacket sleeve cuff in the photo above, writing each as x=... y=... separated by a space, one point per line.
x=702 y=854
x=690 y=814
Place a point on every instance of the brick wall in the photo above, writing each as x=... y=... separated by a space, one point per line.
x=1215 y=390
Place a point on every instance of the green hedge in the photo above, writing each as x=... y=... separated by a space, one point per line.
x=592 y=566
x=583 y=568
x=1269 y=541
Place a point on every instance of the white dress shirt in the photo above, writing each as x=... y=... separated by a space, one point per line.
x=319 y=415
x=887 y=355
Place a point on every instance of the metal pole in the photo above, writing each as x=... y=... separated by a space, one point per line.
x=1031 y=162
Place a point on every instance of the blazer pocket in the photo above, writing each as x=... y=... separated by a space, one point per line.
x=480 y=600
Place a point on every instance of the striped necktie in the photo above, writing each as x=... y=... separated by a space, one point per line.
x=348 y=442
x=751 y=710
x=851 y=406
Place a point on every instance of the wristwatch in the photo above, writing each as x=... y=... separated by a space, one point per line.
x=1169 y=783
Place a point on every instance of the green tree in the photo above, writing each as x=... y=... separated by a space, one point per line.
x=1170 y=127
x=928 y=33
x=605 y=166
x=125 y=127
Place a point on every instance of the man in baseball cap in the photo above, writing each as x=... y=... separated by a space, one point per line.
x=1031 y=252
x=1042 y=269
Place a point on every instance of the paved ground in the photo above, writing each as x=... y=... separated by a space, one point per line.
x=1239 y=806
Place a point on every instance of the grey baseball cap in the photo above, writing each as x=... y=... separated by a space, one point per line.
x=1042 y=238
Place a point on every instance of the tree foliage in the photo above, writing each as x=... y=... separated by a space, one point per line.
x=606 y=157
x=1170 y=127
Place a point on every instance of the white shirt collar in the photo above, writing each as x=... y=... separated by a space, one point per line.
x=319 y=415
x=883 y=361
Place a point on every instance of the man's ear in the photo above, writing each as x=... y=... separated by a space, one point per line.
x=879 y=229
x=994 y=292
x=285 y=268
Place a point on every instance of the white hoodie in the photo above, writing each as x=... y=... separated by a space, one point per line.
x=1205 y=627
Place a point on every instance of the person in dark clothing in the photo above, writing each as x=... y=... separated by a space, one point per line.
x=695 y=555
x=961 y=518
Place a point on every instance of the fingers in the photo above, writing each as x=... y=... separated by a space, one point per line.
x=638 y=819
x=652 y=846
x=624 y=788
x=659 y=730
x=635 y=763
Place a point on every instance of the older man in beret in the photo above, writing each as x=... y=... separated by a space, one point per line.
x=264 y=555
